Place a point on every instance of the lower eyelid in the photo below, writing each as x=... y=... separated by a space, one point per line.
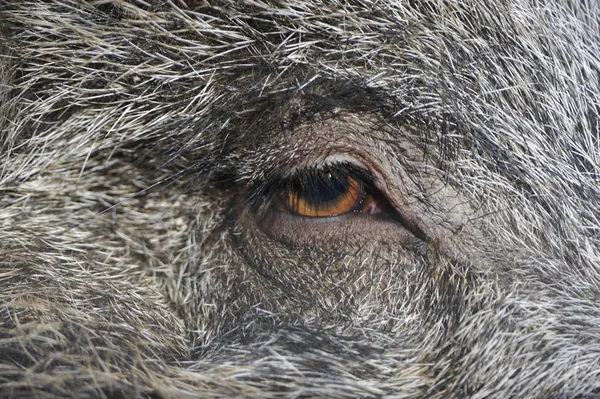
x=356 y=227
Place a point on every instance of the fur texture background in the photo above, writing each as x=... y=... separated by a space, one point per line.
x=137 y=259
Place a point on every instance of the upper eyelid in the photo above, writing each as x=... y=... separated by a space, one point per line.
x=333 y=157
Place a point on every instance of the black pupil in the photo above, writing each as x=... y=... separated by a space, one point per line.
x=323 y=188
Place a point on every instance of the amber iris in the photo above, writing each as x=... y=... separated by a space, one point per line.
x=329 y=194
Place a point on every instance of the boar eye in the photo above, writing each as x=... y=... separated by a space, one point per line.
x=329 y=191
x=336 y=199
x=324 y=194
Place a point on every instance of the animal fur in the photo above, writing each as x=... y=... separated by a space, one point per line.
x=135 y=260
